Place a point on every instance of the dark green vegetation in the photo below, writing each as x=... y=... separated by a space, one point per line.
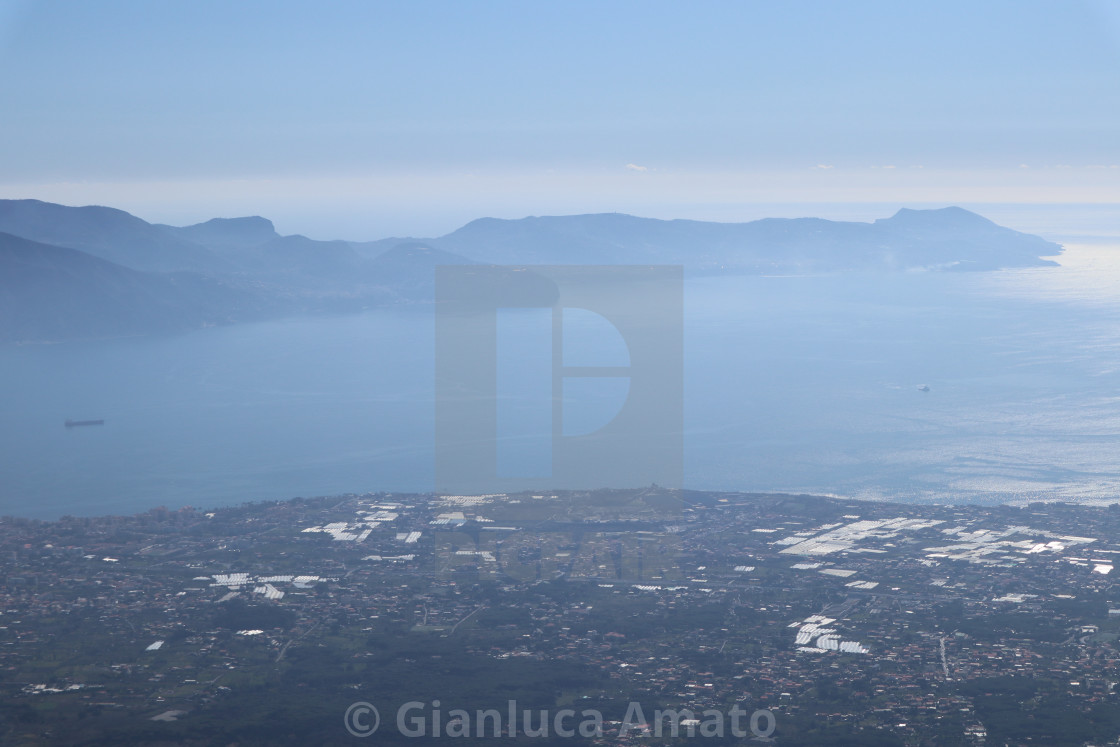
x=664 y=599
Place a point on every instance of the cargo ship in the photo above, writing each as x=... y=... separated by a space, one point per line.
x=75 y=423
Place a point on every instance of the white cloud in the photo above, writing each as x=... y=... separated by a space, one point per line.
x=824 y=166
x=636 y=167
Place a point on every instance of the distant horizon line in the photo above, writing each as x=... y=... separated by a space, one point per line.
x=883 y=209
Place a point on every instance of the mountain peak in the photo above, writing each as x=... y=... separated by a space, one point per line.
x=247 y=223
x=946 y=217
x=105 y=232
x=230 y=233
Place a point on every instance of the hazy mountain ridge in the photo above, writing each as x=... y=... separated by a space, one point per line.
x=50 y=293
x=909 y=240
x=227 y=233
x=97 y=271
x=108 y=233
x=392 y=266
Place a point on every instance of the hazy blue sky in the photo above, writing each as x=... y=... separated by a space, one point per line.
x=365 y=119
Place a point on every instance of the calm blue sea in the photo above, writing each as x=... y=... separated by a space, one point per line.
x=791 y=383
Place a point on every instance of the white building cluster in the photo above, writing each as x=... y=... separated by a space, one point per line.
x=830 y=538
x=814 y=635
x=1000 y=546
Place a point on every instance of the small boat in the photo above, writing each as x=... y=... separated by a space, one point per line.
x=923 y=388
x=76 y=423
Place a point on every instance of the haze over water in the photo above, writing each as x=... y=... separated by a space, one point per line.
x=791 y=384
